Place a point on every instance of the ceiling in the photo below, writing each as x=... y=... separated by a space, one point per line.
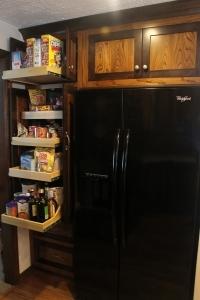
x=26 y=13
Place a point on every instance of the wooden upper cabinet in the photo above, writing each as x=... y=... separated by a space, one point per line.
x=71 y=55
x=129 y=55
x=171 y=51
x=114 y=55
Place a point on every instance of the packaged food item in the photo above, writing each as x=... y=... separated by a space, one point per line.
x=21 y=130
x=23 y=209
x=51 y=50
x=58 y=161
x=37 y=96
x=33 y=52
x=32 y=131
x=27 y=160
x=56 y=193
x=37 y=53
x=30 y=52
x=27 y=186
x=17 y=59
x=11 y=208
x=44 y=158
x=42 y=132
x=55 y=99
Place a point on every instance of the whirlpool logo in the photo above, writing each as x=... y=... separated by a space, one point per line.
x=183 y=99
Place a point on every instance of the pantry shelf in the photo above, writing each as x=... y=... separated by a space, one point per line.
x=32 y=225
x=35 y=75
x=39 y=115
x=36 y=142
x=33 y=175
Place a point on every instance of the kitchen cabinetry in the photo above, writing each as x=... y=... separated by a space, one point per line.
x=128 y=55
x=18 y=99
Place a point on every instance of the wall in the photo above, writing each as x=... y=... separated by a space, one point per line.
x=7 y=31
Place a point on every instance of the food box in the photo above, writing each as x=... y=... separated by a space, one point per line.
x=51 y=51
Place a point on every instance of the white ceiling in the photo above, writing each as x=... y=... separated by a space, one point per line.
x=26 y=13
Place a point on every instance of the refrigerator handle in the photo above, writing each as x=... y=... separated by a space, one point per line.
x=114 y=183
x=123 y=199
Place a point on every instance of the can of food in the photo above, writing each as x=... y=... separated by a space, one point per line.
x=23 y=209
x=42 y=132
x=32 y=131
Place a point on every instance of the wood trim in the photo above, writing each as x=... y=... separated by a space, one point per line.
x=143 y=82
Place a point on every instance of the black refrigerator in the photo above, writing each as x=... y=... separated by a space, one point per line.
x=137 y=172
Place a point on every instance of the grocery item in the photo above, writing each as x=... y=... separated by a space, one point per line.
x=11 y=208
x=37 y=96
x=33 y=52
x=44 y=158
x=23 y=209
x=26 y=160
x=17 y=59
x=56 y=193
x=51 y=50
x=21 y=130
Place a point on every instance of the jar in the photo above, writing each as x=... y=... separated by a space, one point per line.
x=11 y=208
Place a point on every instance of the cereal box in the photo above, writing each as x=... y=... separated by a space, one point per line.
x=29 y=52
x=37 y=53
x=51 y=50
x=33 y=52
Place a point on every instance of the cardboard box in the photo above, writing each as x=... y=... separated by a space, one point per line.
x=51 y=51
x=17 y=60
x=33 y=52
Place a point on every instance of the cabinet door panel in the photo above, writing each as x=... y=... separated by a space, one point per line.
x=114 y=55
x=171 y=51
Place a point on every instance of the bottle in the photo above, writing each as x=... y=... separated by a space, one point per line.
x=52 y=203
x=33 y=214
x=42 y=205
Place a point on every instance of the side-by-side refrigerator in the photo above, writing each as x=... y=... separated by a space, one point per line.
x=137 y=175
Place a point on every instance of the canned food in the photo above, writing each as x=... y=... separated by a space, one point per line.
x=23 y=209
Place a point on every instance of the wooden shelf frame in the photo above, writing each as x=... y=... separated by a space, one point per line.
x=35 y=142
x=32 y=225
x=34 y=175
x=39 y=115
x=35 y=75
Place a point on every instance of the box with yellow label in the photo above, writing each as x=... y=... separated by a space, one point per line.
x=51 y=51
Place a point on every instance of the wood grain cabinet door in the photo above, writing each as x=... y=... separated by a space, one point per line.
x=171 y=51
x=116 y=55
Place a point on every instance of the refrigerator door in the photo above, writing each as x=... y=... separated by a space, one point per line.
x=161 y=209
x=97 y=144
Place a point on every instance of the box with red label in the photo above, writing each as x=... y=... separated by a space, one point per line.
x=51 y=51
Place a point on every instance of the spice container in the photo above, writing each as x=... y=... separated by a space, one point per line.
x=11 y=208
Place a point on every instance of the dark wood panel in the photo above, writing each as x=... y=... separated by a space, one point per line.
x=4 y=134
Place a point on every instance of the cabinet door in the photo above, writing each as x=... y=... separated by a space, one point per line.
x=71 y=57
x=116 y=55
x=171 y=51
